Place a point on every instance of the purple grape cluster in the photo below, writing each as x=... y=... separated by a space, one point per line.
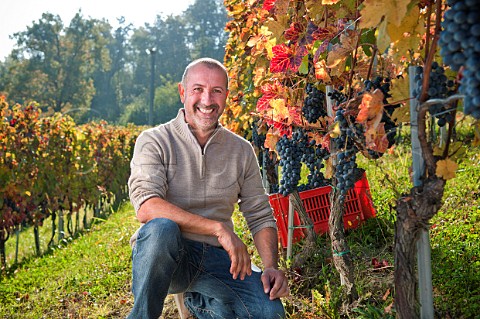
x=439 y=87
x=314 y=104
x=460 y=47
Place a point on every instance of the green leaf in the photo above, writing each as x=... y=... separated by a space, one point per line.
x=303 y=69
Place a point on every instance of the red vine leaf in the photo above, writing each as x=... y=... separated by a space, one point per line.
x=268 y=4
x=286 y=58
x=293 y=33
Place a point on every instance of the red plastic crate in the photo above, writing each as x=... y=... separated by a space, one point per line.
x=358 y=207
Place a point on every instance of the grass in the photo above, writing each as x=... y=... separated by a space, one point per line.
x=90 y=276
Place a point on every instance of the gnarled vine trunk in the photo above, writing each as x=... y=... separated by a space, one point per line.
x=342 y=258
x=413 y=214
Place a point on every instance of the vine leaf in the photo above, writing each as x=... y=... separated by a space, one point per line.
x=340 y=52
x=280 y=110
x=321 y=72
x=400 y=89
x=371 y=109
x=268 y=4
x=374 y=12
x=286 y=58
x=401 y=114
x=405 y=35
x=446 y=169
x=376 y=139
x=271 y=140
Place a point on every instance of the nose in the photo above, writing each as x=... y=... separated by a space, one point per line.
x=207 y=97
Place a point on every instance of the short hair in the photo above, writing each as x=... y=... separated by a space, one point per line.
x=209 y=63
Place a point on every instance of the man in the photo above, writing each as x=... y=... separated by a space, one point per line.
x=186 y=177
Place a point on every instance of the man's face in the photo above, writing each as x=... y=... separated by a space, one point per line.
x=204 y=97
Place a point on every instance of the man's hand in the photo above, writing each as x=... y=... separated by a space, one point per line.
x=275 y=283
x=237 y=251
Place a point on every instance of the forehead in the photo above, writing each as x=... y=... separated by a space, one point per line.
x=206 y=75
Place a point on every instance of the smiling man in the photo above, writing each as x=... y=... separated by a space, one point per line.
x=187 y=176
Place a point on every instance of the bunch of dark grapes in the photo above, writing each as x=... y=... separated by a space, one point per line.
x=345 y=169
x=314 y=104
x=337 y=96
x=290 y=152
x=439 y=87
x=313 y=157
x=257 y=138
x=460 y=47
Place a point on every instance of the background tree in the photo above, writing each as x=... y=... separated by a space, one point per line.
x=205 y=22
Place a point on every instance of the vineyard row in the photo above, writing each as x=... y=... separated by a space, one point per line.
x=50 y=164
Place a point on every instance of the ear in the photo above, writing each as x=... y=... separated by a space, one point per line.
x=181 y=92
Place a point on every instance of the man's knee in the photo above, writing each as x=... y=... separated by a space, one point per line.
x=159 y=232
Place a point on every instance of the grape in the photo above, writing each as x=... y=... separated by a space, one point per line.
x=313 y=158
x=460 y=47
x=314 y=104
x=439 y=87
x=293 y=152
x=290 y=151
x=346 y=154
x=258 y=139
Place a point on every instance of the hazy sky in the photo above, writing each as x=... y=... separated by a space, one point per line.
x=18 y=14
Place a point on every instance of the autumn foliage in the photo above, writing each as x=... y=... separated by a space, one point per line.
x=48 y=164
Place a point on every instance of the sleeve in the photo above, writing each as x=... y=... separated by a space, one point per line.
x=253 y=200
x=148 y=171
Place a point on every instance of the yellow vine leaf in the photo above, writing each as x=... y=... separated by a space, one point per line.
x=280 y=110
x=374 y=10
x=400 y=89
x=329 y=1
x=376 y=139
x=407 y=36
x=411 y=25
x=315 y=11
x=383 y=39
x=446 y=169
x=278 y=27
x=401 y=114
x=335 y=130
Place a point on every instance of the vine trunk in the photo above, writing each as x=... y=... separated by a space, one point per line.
x=414 y=211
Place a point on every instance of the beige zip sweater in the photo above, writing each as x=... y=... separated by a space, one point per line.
x=169 y=163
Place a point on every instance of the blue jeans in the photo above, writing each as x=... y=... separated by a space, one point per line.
x=164 y=262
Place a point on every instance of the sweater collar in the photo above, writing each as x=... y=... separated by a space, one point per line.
x=185 y=131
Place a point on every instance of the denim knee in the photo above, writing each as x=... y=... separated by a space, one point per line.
x=159 y=233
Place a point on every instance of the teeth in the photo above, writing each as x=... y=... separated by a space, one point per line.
x=205 y=111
